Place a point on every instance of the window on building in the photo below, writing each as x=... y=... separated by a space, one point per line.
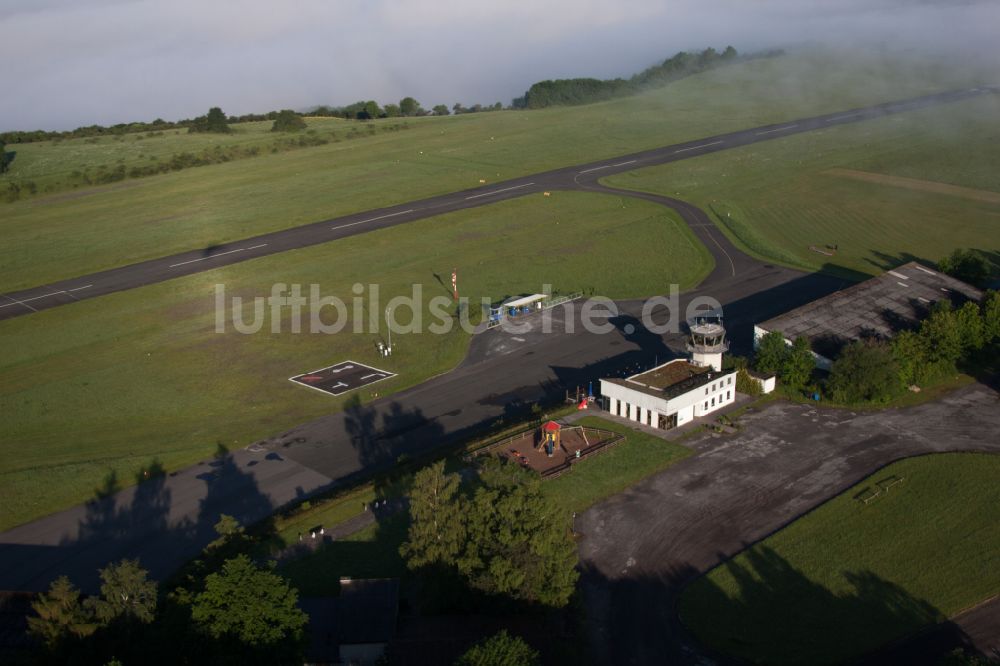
x=706 y=390
x=706 y=404
x=713 y=401
x=729 y=395
x=730 y=380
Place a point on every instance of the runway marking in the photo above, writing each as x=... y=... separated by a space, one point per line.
x=732 y=265
x=921 y=268
x=624 y=163
x=902 y=284
x=846 y=115
x=86 y=286
x=777 y=129
x=16 y=302
x=506 y=189
x=603 y=166
x=372 y=219
x=704 y=145
x=213 y=256
x=899 y=275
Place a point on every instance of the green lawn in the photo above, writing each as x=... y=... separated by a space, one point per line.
x=75 y=232
x=777 y=199
x=849 y=577
x=111 y=383
x=594 y=479
x=371 y=553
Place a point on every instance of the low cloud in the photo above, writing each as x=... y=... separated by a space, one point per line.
x=70 y=63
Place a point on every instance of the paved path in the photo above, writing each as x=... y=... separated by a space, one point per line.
x=27 y=301
x=640 y=548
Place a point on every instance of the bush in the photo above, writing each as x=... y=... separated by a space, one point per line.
x=501 y=649
x=288 y=121
x=866 y=371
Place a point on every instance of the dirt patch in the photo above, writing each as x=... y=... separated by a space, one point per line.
x=917 y=185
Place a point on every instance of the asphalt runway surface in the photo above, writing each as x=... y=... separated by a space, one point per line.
x=640 y=548
x=27 y=301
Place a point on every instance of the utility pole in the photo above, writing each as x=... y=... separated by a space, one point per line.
x=388 y=327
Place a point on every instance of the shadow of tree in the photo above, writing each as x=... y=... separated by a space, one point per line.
x=770 y=612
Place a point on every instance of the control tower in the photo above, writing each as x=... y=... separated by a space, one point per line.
x=708 y=341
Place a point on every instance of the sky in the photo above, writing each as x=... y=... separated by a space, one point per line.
x=68 y=63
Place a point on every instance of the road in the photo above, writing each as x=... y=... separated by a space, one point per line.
x=582 y=176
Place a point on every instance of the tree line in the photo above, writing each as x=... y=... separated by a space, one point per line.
x=227 y=609
x=568 y=92
x=877 y=370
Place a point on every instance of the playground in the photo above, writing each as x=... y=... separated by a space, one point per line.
x=552 y=448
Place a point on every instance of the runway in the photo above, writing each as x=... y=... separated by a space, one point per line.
x=579 y=177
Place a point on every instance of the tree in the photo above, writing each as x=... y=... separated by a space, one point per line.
x=518 y=543
x=991 y=316
x=771 y=352
x=865 y=371
x=60 y=614
x=437 y=530
x=441 y=110
x=969 y=320
x=214 y=121
x=254 y=606
x=746 y=384
x=799 y=363
x=392 y=111
x=457 y=108
x=3 y=157
x=965 y=265
x=288 y=121
x=942 y=336
x=500 y=649
x=126 y=594
x=729 y=53
x=370 y=111
x=909 y=350
x=409 y=106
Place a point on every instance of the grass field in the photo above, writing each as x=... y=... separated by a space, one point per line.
x=850 y=576
x=63 y=235
x=777 y=199
x=592 y=480
x=111 y=383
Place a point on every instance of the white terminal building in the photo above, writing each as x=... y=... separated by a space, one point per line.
x=681 y=390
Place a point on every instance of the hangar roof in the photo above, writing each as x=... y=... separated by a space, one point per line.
x=879 y=307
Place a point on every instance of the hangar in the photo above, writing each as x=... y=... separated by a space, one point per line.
x=876 y=308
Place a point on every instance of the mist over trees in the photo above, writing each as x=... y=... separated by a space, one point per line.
x=568 y=92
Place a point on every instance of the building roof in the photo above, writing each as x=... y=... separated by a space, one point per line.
x=551 y=426
x=365 y=612
x=671 y=379
x=879 y=307
x=524 y=300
